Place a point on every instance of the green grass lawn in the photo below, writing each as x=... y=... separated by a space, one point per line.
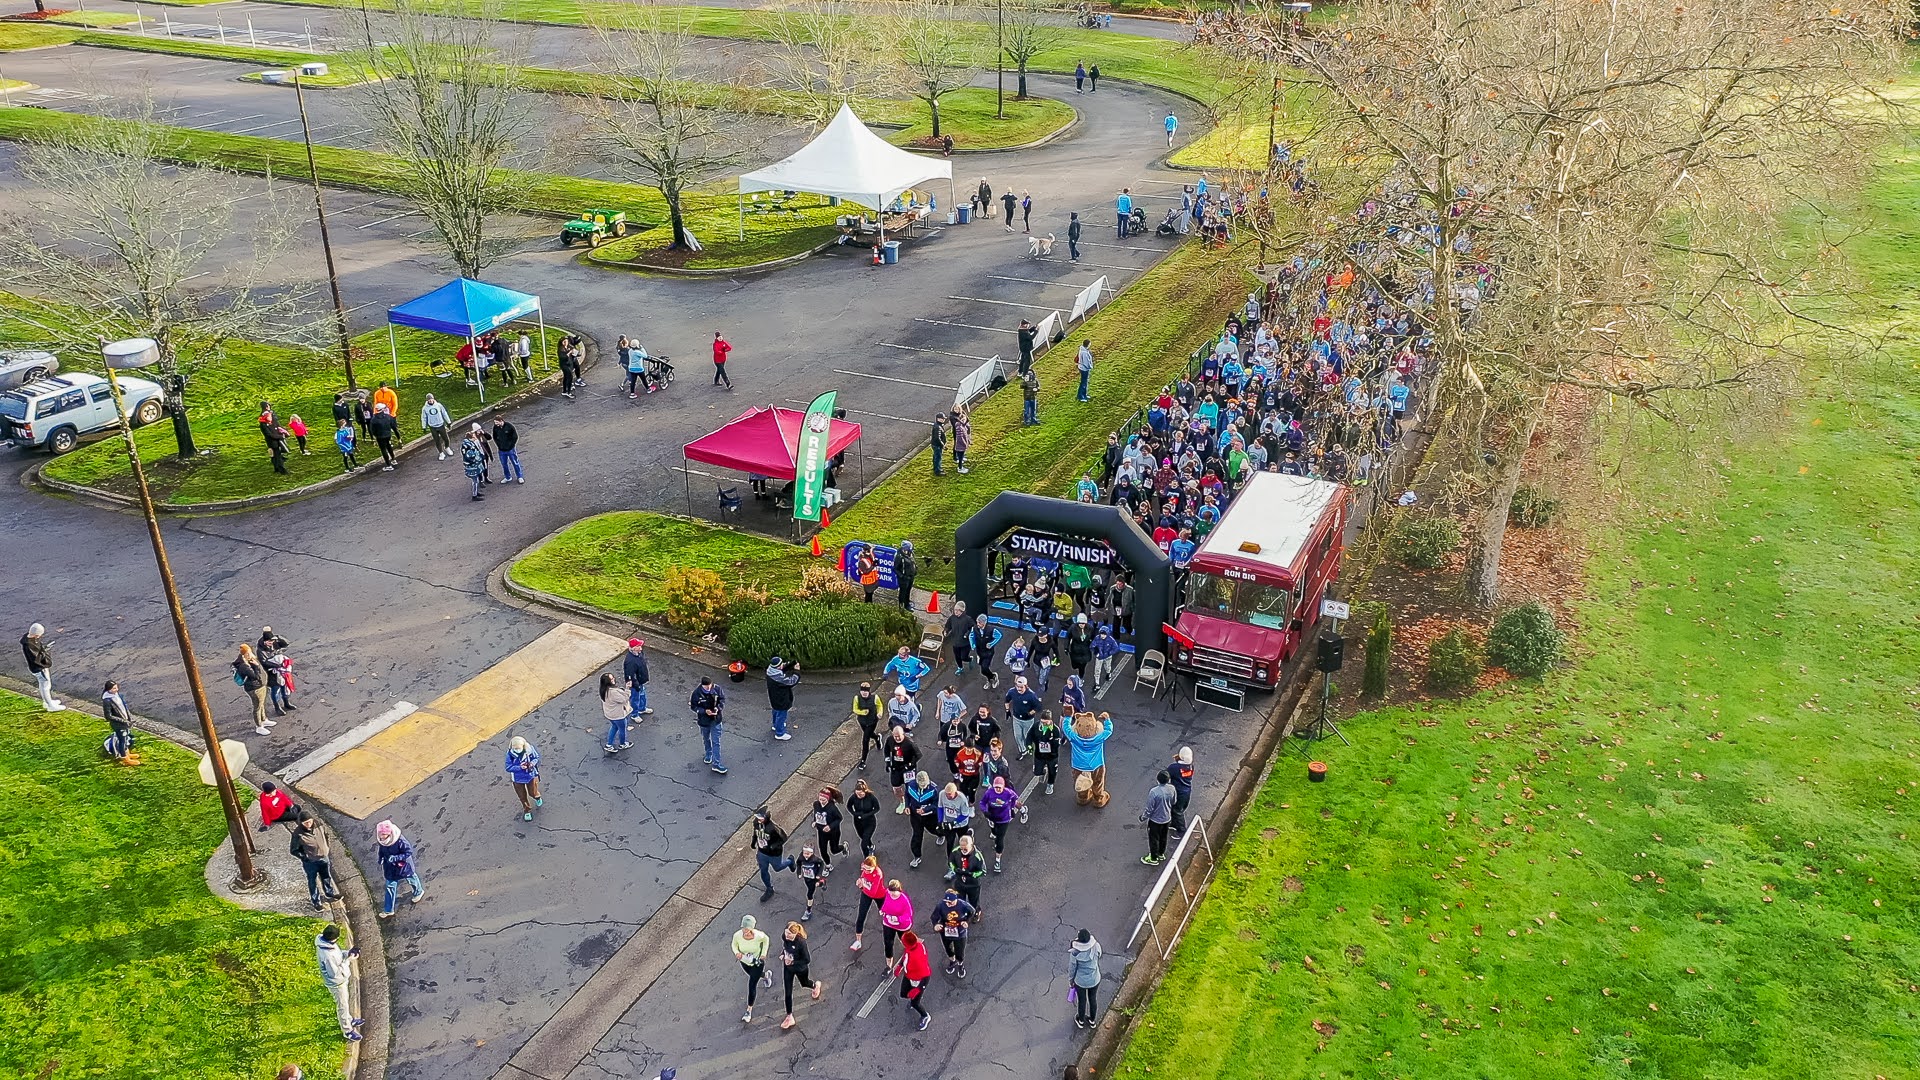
x=24 y=35
x=1689 y=856
x=970 y=116
x=95 y=18
x=768 y=237
x=120 y=963
x=223 y=402
x=616 y=561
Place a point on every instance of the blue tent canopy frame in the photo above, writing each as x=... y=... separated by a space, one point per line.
x=464 y=308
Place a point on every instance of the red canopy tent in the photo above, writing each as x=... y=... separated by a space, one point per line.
x=762 y=442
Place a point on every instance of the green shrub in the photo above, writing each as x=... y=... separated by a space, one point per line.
x=1423 y=541
x=1453 y=661
x=1532 y=508
x=821 y=635
x=696 y=601
x=1379 y=649
x=1526 y=640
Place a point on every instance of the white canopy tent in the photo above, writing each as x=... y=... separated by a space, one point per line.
x=849 y=162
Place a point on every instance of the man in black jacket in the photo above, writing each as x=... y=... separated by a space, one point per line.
x=634 y=670
x=781 y=679
x=1073 y=236
x=1028 y=332
x=707 y=702
x=505 y=438
x=905 y=569
x=769 y=841
x=309 y=845
x=385 y=428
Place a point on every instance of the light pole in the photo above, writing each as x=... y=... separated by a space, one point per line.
x=326 y=240
x=139 y=353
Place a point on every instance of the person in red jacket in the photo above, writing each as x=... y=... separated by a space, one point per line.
x=274 y=804
x=915 y=971
x=720 y=350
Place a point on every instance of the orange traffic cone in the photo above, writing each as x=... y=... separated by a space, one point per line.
x=826 y=519
x=814 y=547
x=933 y=605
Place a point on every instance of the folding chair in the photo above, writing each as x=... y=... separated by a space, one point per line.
x=1153 y=670
x=729 y=499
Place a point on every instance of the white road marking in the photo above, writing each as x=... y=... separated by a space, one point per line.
x=1002 y=303
x=873 y=999
x=866 y=412
x=333 y=748
x=1118 y=670
x=384 y=220
x=267 y=127
x=1037 y=281
x=967 y=326
x=939 y=352
x=886 y=378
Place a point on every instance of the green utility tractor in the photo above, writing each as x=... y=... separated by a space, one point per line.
x=594 y=227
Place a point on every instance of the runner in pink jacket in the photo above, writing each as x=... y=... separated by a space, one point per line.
x=896 y=914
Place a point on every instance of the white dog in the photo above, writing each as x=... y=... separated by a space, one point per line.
x=1039 y=247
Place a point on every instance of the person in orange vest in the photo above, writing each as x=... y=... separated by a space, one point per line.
x=868 y=570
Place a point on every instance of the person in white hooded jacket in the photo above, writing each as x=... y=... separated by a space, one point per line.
x=336 y=968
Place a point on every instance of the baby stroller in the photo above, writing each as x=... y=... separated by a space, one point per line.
x=659 y=371
x=1167 y=226
x=1137 y=222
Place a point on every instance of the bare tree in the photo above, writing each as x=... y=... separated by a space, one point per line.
x=446 y=100
x=937 y=49
x=661 y=127
x=1588 y=197
x=824 y=52
x=123 y=246
x=1031 y=28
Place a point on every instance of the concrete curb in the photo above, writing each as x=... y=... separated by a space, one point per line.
x=1143 y=976
x=367 y=1058
x=716 y=272
x=35 y=474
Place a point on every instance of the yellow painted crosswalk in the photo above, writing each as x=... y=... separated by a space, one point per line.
x=446 y=729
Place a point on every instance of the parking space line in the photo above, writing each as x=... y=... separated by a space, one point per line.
x=1037 y=281
x=891 y=379
x=1002 y=303
x=967 y=326
x=267 y=127
x=866 y=412
x=937 y=352
x=384 y=220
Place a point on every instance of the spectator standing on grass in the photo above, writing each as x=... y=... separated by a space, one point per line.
x=397 y=865
x=386 y=395
x=277 y=448
x=439 y=423
x=309 y=844
x=251 y=677
x=336 y=971
x=268 y=421
x=769 y=846
x=1084 y=361
x=962 y=440
x=40 y=663
x=781 y=679
x=298 y=428
x=905 y=569
x=506 y=439
x=708 y=703
x=120 y=723
x=1073 y=236
x=721 y=347
x=1083 y=972
x=343 y=439
x=1012 y=203
x=1027 y=333
x=384 y=428
x=750 y=949
x=1158 y=815
x=523 y=768
x=616 y=704
x=939 y=440
x=1030 y=398
x=633 y=668
x=867 y=569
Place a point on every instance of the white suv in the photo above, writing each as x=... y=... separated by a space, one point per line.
x=53 y=413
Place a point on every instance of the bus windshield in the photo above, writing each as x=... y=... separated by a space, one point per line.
x=1242 y=601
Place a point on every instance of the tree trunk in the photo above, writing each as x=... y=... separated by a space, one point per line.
x=1022 y=94
x=676 y=219
x=40 y=6
x=933 y=106
x=176 y=402
x=1490 y=533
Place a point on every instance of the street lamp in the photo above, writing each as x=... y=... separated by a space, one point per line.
x=129 y=355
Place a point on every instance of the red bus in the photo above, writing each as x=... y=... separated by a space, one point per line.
x=1254 y=585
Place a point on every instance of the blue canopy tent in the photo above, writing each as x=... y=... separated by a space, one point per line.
x=464 y=308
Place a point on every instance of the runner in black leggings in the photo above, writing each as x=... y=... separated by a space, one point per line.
x=951 y=919
x=796 y=958
x=864 y=807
